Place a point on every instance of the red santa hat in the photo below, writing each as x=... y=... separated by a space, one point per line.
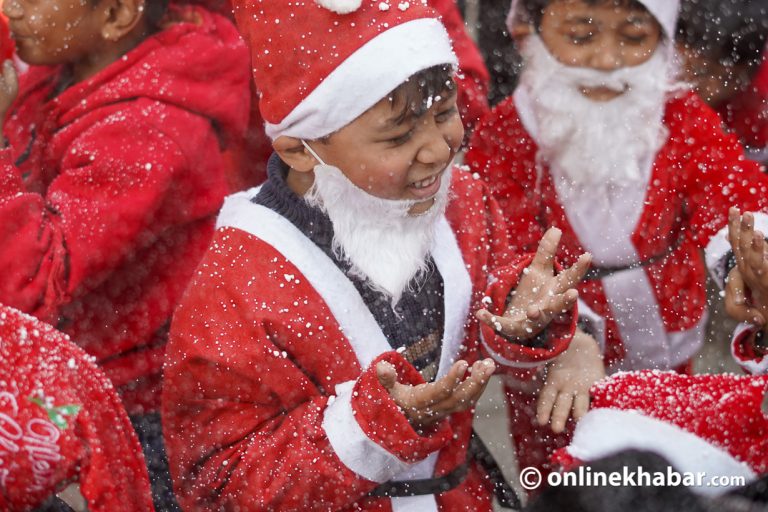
x=704 y=423
x=319 y=64
x=62 y=421
x=665 y=12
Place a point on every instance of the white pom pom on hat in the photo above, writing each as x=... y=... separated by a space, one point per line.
x=340 y=6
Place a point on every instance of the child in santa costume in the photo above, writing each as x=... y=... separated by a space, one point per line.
x=113 y=172
x=62 y=423
x=327 y=355
x=599 y=141
x=711 y=424
x=723 y=45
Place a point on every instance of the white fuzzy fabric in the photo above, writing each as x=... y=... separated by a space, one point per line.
x=340 y=6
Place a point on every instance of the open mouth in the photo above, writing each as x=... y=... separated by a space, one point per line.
x=425 y=182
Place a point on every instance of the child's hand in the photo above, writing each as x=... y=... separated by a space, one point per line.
x=750 y=275
x=429 y=403
x=569 y=378
x=541 y=295
x=9 y=88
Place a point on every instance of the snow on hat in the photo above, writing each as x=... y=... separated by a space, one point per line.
x=320 y=64
x=665 y=12
x=61 y=420
x=703 y=423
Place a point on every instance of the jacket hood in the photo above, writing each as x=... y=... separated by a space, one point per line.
x=197 y=62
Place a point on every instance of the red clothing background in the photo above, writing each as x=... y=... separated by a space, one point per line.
x=109 y=190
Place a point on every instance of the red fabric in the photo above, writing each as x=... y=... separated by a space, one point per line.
x=253 y=362
x=285 y=74
x=473 y=77
x=747 y=113
x=697 y=175
x=7 y=46
x=113 y=195
x=61 y=421
x=724 y=410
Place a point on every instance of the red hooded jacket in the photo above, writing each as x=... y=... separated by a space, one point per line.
x=108 y=191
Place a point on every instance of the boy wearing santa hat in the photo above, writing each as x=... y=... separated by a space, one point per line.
x=600 y=141
x=327 y=355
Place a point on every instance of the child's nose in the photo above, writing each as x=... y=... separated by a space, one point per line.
x=606 y=58
x=437 y=150
x=12 y=9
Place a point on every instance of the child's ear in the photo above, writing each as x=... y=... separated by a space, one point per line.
x=121 y=18
x=293 y=153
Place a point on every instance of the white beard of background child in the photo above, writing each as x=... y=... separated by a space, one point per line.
x=382 y=242
x=593 y=144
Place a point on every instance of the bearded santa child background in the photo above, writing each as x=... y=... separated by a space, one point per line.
x=600 y=140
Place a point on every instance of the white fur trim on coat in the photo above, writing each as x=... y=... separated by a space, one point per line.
x=604 y=432
x=367 y=76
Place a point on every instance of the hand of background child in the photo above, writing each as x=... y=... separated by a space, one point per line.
x=750 y=275
x=569 y=378
x=429 y=403
x=9 y=88
x=541 y=295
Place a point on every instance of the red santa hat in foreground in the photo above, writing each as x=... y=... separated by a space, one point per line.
x=61 y=422
x=319 y=64
x=665 y=12
x=704 y=423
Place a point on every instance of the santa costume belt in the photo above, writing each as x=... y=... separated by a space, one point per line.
x=505 y=494
x=597 y=273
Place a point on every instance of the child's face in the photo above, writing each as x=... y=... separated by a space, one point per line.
x=393 y=158
x=52 y=32
x=603 y=37
x=715 y=82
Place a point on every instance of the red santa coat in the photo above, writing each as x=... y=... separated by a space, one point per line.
x=271 y=399
x=656 y=314
x=62 y=422
x=108 y=192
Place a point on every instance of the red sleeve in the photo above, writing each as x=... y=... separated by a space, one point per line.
x=716 y=173
x=502 y=154
x=746 y=354
x=114 y=193
x=473 y=77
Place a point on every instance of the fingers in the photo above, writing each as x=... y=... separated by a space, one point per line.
x=735 y=300
x=560 y=411
x=545 y=254
x=571 y=277
x=387 y=375
x=734 y=229
x=442 y=389
x=755 y=257
x=580 y=405
x=547 y=397
x=468 y=393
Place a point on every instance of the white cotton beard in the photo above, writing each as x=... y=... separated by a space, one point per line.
x=382 y=242
x=596 y=143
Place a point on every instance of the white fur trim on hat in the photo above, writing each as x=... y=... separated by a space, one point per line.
x=604 y=432
x=665 y=12
x=340 y=6
x=367 y=76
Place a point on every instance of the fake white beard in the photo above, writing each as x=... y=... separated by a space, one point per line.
x=379 y=239
x=596 y=143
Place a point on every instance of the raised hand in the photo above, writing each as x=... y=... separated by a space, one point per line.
x=746 y=291
x=9 y=88
x=540 y=295
x=429 y=403
x=568 y=380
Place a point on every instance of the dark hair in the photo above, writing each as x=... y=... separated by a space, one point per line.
x=415 y=95
x=533 y=10
x=733 y=32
